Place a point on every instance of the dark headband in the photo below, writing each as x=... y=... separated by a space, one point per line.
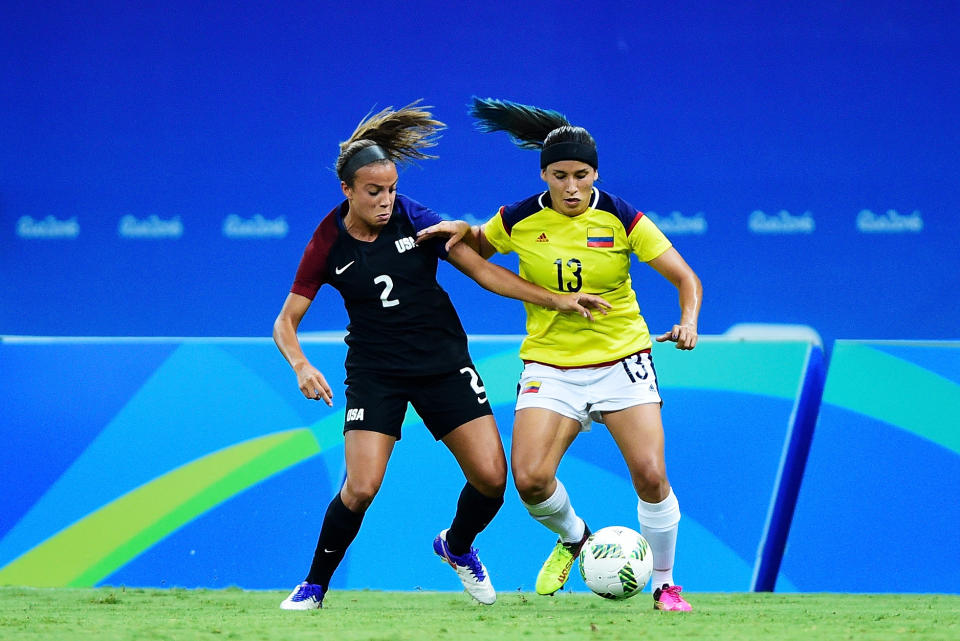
x=363 y=157
x=568 y=151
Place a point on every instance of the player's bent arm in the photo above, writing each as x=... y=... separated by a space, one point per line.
x=311 y=382
x=504 y=282
x=671 y=265
x=485 y=248
x=459 y=231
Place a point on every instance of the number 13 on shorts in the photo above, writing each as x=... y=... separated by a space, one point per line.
x=636 y=368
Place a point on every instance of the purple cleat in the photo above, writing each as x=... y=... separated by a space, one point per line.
x=471 y=571
x=306 y=596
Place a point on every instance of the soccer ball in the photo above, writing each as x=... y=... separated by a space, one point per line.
x=616 y=562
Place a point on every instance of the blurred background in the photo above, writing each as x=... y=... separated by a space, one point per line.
x=163 y=164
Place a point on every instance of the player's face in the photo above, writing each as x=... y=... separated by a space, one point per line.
x=571 y=185
x=372 y=194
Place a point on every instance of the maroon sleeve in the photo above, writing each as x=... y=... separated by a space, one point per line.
x=312 y=272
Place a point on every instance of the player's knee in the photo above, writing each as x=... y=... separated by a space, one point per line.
x=497 y=478
x=651 y=481
x=532 y=484
x=492 y=484
x=360 y=493
x=489 y=477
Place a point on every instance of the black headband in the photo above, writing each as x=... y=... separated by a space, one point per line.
x=363 y=157
x=568 y=151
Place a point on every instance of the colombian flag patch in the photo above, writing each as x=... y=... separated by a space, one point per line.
x=532 y=387
x=600 y=237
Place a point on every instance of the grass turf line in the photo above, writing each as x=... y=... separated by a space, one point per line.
x=109 y=614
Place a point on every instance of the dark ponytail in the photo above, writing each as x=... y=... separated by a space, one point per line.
x=535 y=128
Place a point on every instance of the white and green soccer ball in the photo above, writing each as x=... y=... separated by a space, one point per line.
x=616 y=562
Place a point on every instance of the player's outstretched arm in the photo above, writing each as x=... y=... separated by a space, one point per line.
x=458 y=231
x=311 y=382
x=504 y=282
x=670 y=265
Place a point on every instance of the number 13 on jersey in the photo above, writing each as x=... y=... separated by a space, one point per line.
x=569 y=279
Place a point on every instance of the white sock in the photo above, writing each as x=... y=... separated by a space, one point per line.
x=558 y=515
x=659 y=523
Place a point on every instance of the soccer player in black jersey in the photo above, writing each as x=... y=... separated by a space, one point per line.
x=405 y=344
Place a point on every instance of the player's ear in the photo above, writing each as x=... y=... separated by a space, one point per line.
x=347 y=190
x=543 y=174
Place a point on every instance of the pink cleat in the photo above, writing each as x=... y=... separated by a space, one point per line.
x=668 y=598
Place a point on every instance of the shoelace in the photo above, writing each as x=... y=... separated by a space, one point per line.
x=673 y=590
x=307 y=591
x=471 y=561
x=561 y=547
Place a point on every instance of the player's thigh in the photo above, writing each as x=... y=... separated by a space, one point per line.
x=367 y=454
x=540 y=439
x=478 y=449
x=638 y=433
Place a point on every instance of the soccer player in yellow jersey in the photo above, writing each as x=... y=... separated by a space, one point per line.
x=576 y=238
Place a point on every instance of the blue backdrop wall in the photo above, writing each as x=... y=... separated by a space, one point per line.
x=163 y=164
x=135 y=477
x=879 y=495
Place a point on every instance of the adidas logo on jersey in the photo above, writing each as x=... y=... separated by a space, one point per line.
x=542 y=238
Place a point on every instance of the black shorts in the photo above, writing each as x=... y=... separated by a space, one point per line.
x=377 y=402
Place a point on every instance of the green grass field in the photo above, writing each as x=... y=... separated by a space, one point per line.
x=143 y=614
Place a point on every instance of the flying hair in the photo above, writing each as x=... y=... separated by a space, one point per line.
x=528 y=126
x=403 y=133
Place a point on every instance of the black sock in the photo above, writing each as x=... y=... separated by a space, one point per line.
x=340 y=527
x=474 y=512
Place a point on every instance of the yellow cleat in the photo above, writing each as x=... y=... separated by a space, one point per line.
x=556 y=569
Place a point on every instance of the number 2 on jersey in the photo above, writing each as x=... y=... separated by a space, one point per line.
x=387 y=283
x=572 y=264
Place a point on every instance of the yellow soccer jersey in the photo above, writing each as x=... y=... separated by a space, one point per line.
x=588 y=253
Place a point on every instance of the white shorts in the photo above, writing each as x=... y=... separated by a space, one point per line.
x=584 y=393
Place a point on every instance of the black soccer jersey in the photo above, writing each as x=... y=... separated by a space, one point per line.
x=401 y=320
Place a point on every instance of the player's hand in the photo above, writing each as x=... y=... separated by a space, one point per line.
x=453 y=230
x=313 y=385
x=582 y=304
x=685 y=336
